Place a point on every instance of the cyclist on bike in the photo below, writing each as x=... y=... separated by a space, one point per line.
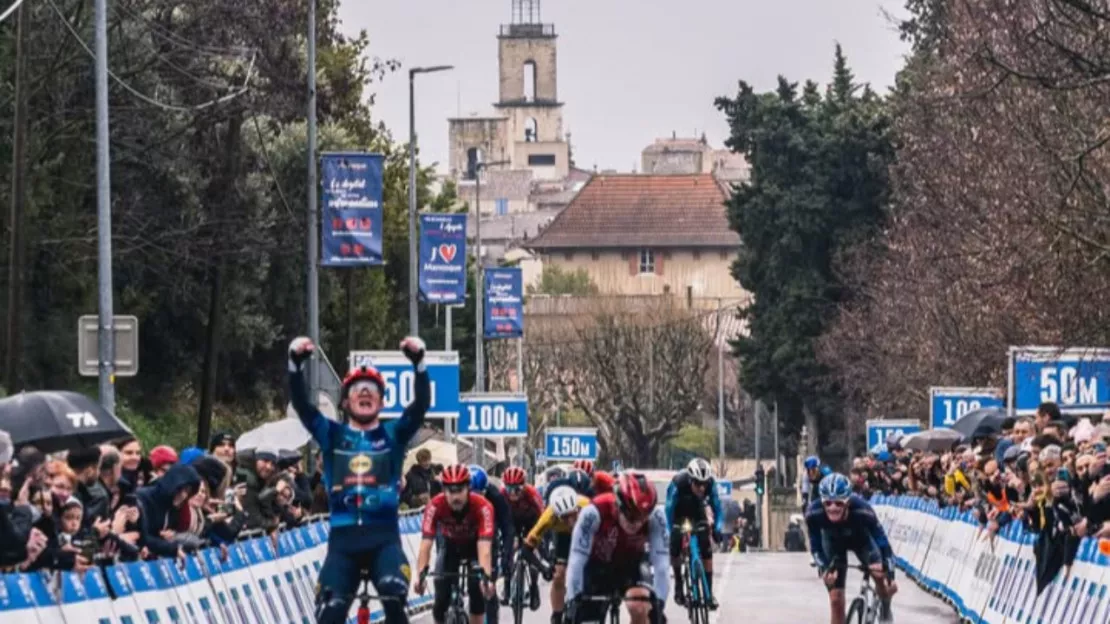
x=619 y=546
x=814 y=472
x=687 y=496
x=503 y=524
x=559 y=519
x=840 y=522
x=602 y=482
x=527 y=507
x=585 y=466
x=576 y=479
x=362 y=462
x=464 y=519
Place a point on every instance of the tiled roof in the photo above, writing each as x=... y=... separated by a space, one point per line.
x=513 y=226
x=628 y=210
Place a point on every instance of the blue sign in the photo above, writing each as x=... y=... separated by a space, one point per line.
x=504 y=303
x=396 y=370
x=566 y=444
x=352 y=215
x=540 y=457
x=947 y=405
x=879 y=430
x=724 y=489
x=443 y=258
x=1077 y=379
x=483 y=414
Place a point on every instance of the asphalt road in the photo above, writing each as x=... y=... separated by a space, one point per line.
x=772 y=588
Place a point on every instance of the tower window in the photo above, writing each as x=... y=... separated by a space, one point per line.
x=473 y=157
x=541 y=160
x=531 y=132
x=529 y=81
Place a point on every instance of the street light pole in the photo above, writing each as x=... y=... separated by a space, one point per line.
x=414 y=260
x=479 y=299
x=105 y=337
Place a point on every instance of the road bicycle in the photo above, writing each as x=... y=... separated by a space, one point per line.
x=362 y=615
x=612 y=610
x=457 y=612
x=865 y=607
x=520 y=588
x=694 y=580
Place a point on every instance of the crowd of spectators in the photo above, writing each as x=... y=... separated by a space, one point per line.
x=1048 y=472
x=113 y=502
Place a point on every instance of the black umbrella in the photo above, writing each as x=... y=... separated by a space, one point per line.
x=58 y=421
x=987 y=419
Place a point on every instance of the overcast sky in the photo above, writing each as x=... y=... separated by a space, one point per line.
x=629 y=70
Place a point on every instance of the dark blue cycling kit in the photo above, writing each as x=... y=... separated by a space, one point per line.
x=683 y=504
x=860 y=532
x=362 y=475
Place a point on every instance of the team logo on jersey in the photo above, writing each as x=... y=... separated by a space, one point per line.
x=360 y=464
x=406 y=571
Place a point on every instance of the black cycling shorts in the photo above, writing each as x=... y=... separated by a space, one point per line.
x=705 y=547
x=450 y=561
x=616 y=577
x=836 y=548
x=562 y=548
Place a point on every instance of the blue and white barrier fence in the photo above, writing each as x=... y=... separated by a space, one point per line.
x=254 y=585
x=991 y=581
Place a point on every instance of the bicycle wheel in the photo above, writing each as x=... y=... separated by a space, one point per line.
x=516 y=589
x=456 y=616
x=856 y=612
x=699 y=607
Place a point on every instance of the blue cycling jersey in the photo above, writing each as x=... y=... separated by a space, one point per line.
x=362 y=469
x=861 y=520
x=683 y=504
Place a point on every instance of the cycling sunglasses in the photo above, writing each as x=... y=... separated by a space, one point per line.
x=365 y=386
x=513 y=489
x=456 y=488
x=835 y=503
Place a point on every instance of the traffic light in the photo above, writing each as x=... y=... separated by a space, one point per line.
x=760 y=480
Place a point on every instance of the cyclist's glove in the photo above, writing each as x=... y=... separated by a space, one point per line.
x=299 y=352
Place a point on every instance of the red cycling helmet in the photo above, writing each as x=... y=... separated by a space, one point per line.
x=603 y=482
x=514 y=475
x=362 y=373
x=636 y=497
x=585 y=466
x=458 y=474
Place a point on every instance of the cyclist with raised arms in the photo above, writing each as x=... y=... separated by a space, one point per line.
x=559 y=518
x=687 y=496
x=840 y=522
x=503 y=526
x=619 y=546
x=464 y=519
x=362 y=462
x=526 y=505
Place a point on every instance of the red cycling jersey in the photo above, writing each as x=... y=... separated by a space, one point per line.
x=474 y=522
x=611 y=542
x=528 y=506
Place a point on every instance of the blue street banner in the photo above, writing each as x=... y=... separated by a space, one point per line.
x=352 y=213
x=1076 y=379
x=504 y=303
x=879 y=430
x=443 y=258
x=569 y=444
x=488 y=414
x=947 y=405
x=396 y=370
x=724 y=489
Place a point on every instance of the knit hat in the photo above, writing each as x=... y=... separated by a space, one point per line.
x=189 y=454
x=220 y=437
x=267 y=453
x=162 y=456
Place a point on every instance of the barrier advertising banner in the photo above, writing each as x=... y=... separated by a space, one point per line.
x=443 y=258
x=352 y=212
x=504 y=303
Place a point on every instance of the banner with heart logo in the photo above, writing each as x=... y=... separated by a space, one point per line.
x=504 y=317
x=443 y=258
x=351 y=223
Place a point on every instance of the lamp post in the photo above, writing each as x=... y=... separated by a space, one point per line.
x=414 y=321
x=479 y=299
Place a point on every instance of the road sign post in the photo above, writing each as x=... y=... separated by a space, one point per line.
x=562 y=444
x=879 y=430
x=1076 y=379
x=396 y=370
x=126 y=339
x=491 y=414
x=947 y=405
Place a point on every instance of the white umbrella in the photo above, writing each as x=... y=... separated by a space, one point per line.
x=286 y=434
x=933 y=440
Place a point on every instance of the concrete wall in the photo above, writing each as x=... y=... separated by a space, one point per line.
x=489 y=134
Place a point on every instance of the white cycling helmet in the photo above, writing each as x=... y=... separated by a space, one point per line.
x=699 y=470
x=564 y=501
